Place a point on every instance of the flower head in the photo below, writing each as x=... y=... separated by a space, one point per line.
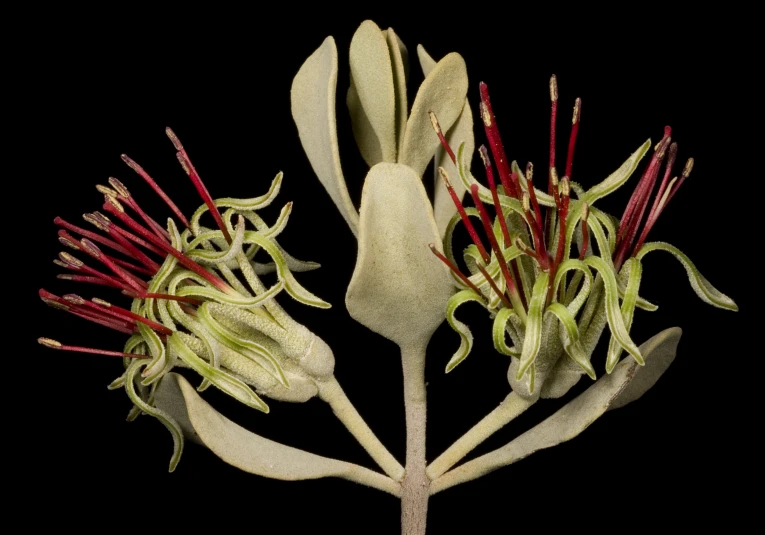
x=521 y=277
x=198 y=301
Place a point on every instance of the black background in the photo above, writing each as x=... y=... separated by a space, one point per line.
x=92 y=91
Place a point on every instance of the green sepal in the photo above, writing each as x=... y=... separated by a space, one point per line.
x=533 y=336
x=613 y=313
x=702 y=287
x=635 y=269
x=162 y=416
x=618 y=177
x=499 y=330
x=466 y=337
x=220 y=379
x=572 y=346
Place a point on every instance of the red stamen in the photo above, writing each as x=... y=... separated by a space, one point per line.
x=585 y=231
x=441 y=138
x=124 y=196
x=183 y=259
x=53 y=344
x=117 y=209
x=455 y=270
x=138 y=169
x=525 y=249
x=121 y=236
x=536 y=233
x=491 y=282
x=167 y=297
x=572 y=137
x=512 y=188
x=653 y=214
x=533 y=199
x=183 y=158
x=465 y=219
x=91 y=235
x=91 y=248
x=492 y=239
x=84 y=278
x=79 y=311
x=553 y=120
x=686 y=173
x=494 y=195
x=112 y=310
x=565 y=192
x=78 y=265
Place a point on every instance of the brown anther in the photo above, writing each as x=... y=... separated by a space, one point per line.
x=526 y=202
x=434 y=122
x=59 y=263
x=577 y=111
x=115 y=203
x=48 y=342
x=106 y=191
x=68 y=241
x=585 y=211
x=176 y=142
x=553 y=88
x=565 y=186
x=74 y=299
x=71 y=261
x=119 y=186
x=95 y=221
x=529 y=172
x=554 y=176
x=90 y=247
x=101 y=302
x=688 y=168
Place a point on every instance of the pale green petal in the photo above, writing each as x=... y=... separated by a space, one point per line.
x=618 y=177
x=573 y=346
x=707 y=292
x=313 y=110
x=498 y=333
x=533 y=337
x=466 y=337
x=635 y=270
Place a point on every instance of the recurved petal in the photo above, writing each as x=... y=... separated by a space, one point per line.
x=398 y=289
x=443 y=92
x=313 y=110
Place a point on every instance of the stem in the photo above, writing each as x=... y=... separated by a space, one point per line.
x=416 y=485
x=331 y=392
x=511 y=407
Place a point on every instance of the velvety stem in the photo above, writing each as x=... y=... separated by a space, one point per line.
x=512 y=406
x=416 y=485
x=331 y=392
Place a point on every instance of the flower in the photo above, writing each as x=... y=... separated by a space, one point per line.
x=197 y=299
x=521 y=279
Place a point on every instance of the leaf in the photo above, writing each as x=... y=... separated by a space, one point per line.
x=635 y=270
x=707 y=292
x=466 y=337
x=613 y=313
x=443 y=92
x=313 y=110
x=399 y=289
x=573 y=418
x=250 y=452
x=371 y=97
x=399 y=57
x=616 y=179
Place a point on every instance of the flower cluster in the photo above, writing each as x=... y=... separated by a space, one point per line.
x=522 y=277
x=197 y=299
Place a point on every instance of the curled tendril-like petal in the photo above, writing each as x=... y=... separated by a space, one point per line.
x=533 y=337
x=573 y=345
x=222 y=380
x=634 y=267
x=466 y=337
x=162 y=416
x=707 y=292
x=498 y=333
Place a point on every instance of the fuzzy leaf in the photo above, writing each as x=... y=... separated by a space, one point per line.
x=250 y=452
x=443 y=92
x=399 y=289
x=707 y=292
x=572 y=419
x=313 y=110
x=372 y=97
x=399 y=58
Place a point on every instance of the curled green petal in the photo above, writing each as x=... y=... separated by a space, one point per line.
x=581 y=297
x=499 y=330
x=533 y=337
x=543 y=197
x=618 y=177
x=235 y=300
x=635 y=270
x=613 y=313
x=157 y=351
x=219 y=378
x=291 y=285
x=466 y=337
x=707 y=292
x=211 y=257
x=248 y=348
x=573 y=347
x=162 y=416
